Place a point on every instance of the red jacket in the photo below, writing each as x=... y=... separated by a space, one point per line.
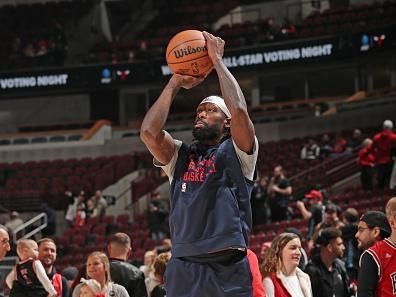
x=279 y=288
x=382 y=146
x=365 y=157
x=257 y=284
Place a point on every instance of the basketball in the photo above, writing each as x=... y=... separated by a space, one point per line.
x=187 y=54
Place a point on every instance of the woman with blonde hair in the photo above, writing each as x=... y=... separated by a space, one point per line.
x=281 y=276
x=98 y=268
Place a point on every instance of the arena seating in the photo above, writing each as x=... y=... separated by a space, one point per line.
x=94 y=235
x=47 y=180
x=263 y=30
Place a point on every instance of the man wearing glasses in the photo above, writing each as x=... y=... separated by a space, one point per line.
x=373 y=227
x=4 y=242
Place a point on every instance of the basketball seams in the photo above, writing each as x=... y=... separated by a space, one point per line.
x=180 y=44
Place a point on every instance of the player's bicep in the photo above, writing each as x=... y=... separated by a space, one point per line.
x=161 y=147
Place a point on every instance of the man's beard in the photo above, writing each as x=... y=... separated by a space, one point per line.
x=206 y=132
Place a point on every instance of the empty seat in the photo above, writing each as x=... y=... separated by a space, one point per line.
x=76 y=137
x=57 y=138
x=5 y=141
x=20 y=141
x=39 y=140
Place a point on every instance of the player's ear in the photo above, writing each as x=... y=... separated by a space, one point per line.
x=227 y=122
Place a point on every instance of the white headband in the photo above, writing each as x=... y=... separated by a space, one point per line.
x=219 y=102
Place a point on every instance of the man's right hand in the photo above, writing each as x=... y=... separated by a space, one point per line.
x=185 y=81
x=300 y=204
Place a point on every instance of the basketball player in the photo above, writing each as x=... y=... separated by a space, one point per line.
x=211 y=181
x=377 y=274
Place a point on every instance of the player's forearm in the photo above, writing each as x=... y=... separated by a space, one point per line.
x=155 y=119
x=230 y=89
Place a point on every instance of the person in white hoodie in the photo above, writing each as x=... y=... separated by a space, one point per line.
x=281 y=275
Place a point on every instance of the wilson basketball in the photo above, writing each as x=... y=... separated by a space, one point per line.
x=187 y=54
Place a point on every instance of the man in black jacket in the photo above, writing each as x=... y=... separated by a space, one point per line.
x=326 y=271
x=121 y=271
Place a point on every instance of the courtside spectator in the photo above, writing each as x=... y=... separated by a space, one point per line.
x=378 y=262
x=373 y=227
x=281 y=275
x=327 y=272
x=122 y=272
x=350 y=218
x=354 y=141
x=47 y=256
x=4 y=242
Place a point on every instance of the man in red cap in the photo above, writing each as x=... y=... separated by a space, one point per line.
x=315 y=214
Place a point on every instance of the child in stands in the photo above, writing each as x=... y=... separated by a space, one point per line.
x=90 y=288
x=28 y=278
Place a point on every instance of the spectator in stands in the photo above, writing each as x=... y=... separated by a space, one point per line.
x=47 y=256
x=71 y=210
x=152 y=280
x=98 y=268
x=382 y=149
x=366 y=161
x=157 y=217
x=330 y=219
x=355 y=141
x=14 y=222
x=82 y=273
x=148 y=262
x=350 y=218
x=160 y=263
x=378 y=263
x=325 y=146
x=123 y=273
x=259 y=200
x=90 y=288
x=314 y=215
x=339 y=145
x=281 y=275
x=100 y=204
x=70 y=273
x=279 y=192
x=326 y=271
x=60 y=44
x=211 y=182
x=166 y=246
x=304 y=256
x=81 y=216
x=310 y=150
x=257 y=282
x=90 y=209
x=4 y=242
x=373 y=227
x=51 y=220
x=28 y=278
x=264 y=246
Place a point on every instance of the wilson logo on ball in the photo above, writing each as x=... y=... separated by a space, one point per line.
x=180 y=53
